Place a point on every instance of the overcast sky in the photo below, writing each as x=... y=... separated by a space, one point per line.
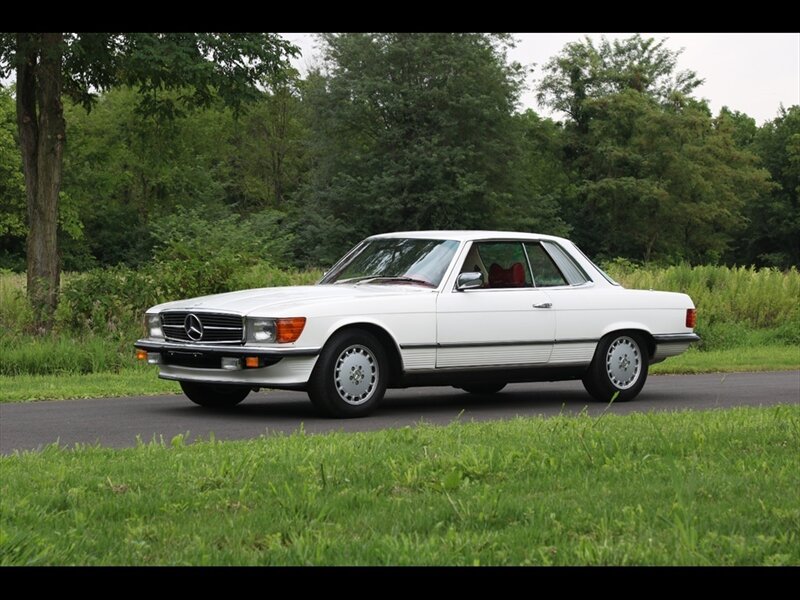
x=750 y=72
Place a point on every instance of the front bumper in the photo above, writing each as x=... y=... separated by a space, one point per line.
x=278 y=367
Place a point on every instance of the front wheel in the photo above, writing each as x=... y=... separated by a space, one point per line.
x=214 y=395
x=619 y=367
x=349 y=379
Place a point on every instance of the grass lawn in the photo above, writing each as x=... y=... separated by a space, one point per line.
x=142 y=380
x=687 y=488
x=747 y=358
x=135 y=381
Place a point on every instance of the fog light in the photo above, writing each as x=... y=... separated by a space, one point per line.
x=230 y=363
x=153 y=358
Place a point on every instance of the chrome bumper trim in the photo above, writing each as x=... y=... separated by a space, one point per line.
x=157 y=346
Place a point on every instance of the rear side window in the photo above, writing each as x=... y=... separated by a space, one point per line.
x=545 y=272
x=572 y=272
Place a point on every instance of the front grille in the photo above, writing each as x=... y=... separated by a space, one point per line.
x=216 y=328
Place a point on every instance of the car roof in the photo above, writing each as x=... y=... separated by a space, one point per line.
x=467 y=235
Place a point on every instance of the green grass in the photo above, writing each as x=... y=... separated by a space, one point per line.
x=59 y=355
x=750 y=358
x=688 y=488
x=134 y=381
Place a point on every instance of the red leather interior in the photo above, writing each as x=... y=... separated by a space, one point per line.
x=499 y=277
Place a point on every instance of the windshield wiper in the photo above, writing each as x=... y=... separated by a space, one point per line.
x=353 y=279
x=374 y=278
x=396 y=278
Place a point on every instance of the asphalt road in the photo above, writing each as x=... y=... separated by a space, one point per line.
x=117 y=422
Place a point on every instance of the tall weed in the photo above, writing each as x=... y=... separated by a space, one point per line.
x=755 y=297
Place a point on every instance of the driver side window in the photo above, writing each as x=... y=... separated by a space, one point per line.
x=502 y=264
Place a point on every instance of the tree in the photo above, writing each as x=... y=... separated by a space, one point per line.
x=410 y=131
x=655 y=176
x=773 y=234
x=537 y=174
x=744 y=127
x=270 y=154
x=122 y=172
x=201 y=67
x=583 y=71
x=12 y=185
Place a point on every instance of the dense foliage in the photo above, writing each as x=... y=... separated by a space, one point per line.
x=412 y=131
x=172 y=72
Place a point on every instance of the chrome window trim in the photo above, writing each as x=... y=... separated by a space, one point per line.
x=581 y=271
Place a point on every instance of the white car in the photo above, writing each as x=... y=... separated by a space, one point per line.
x=471 y=309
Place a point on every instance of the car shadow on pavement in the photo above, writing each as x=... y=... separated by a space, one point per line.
x=404 y=404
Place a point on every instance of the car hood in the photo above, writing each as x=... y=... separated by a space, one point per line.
x=277 y=300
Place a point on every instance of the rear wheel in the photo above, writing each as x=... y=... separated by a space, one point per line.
x=349 y=379
x=483 y=389
x=619 y=367
x=214 y=395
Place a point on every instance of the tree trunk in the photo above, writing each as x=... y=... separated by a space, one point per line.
x=40 y=119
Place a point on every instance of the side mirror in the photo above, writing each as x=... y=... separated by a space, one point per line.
x=468 y=281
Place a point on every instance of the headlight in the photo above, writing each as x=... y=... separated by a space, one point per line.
x=261 y=330
x=153 y=326
x=282 y=331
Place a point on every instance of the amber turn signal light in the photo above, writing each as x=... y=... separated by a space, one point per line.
x=251 y=362
x=288 y=330
x=141 y=354
x=691 y=317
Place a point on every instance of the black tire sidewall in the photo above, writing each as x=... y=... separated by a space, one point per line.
x=212 y=395
x=322 y=389
x=596 y=380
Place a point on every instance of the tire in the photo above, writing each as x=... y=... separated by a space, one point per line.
x=619 y=367
x=483 y=389
x=212 y=395
x=349 y=379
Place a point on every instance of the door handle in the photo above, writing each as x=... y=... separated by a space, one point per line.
x=543 y=305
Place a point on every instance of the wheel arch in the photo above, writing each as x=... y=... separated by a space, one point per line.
x=634 y=328
x=386 y=340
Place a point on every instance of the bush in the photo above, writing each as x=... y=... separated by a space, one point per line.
x=15 y=312
x=111 y=302
x=265 y=275
x=108 y=302
x=198 y=236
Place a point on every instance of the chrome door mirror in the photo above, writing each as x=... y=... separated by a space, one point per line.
x=469 y=281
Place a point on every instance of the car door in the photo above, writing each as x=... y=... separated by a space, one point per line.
x=578 y=311
x=507 y=321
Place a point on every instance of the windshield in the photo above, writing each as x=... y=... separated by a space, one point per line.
x=396 y=261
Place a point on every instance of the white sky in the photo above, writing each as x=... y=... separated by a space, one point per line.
x=750 y=72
